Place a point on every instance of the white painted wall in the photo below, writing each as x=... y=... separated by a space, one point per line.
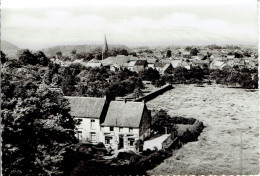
x=105 y=131
x=87 y=127
x=155 y=143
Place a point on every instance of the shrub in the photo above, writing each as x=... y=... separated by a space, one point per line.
x=192 y=132
x=147 y=152
x=187 y=136
x=134 y=158
x=139 y=145
x=152 y=160
x=125 y=155
x=182 y=120
x=100 y=145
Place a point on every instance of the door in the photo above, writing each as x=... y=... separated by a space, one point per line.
x=79 y=136
x=121 y=141
x=93 y=137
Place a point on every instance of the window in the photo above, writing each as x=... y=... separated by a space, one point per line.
x=79 y=136
x=120 y=129
x=80 y=126
x=108 y=139
x=131 y=141
x=130 y=130
x=92 y=136
x=111 y=128
x=92 y=124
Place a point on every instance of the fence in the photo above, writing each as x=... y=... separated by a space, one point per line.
x=155 y=93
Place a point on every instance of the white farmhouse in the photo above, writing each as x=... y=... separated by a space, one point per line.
x=125 y=123
x=91 y=112
x=118 y=124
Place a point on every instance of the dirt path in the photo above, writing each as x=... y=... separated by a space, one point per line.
x=228 y=115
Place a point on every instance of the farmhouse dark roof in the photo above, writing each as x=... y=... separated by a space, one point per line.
x=166 y=61
x=120 y=60
x=159 y=64
x=86 y=106
x=201 y=62
x=166 y=67
x=140 y=63
x=93 y=64
x=124 y=114
x=152 y=60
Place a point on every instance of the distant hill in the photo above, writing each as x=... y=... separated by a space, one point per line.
x=66 y=49
x=5 y=45
x=8 y=48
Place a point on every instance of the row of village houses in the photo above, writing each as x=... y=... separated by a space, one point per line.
x=166 y=66
x=202 y=51
x=117 y=124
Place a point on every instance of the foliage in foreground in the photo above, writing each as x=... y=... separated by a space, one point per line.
x=36 y=124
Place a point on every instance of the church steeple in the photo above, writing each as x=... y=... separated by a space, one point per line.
x=105 y=49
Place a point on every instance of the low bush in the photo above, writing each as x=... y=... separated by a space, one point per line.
x=100 y=145
x=192 y=132
x=147 y=152
x=182 y=120
x=125 y=155
x=139 y=145
x=152 y=160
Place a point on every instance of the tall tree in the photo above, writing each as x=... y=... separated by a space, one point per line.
x=180 y=74
x=150 y=74
x=3 y=57
x=26 y=57
x=138 y=92
x=169 y=53
x=58 y=55
x=74 y=52
x=42 y=59
x=194 y=51
x=162 y=122
x=36 y=128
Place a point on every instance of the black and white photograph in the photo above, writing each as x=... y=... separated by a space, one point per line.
x=134 y=87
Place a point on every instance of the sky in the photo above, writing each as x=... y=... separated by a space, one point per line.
x=39 y=24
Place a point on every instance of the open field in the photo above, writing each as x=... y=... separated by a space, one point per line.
x=230 y=138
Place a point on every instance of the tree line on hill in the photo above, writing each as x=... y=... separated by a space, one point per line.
x=74 y=80
x=93 y=54
x=244 y=77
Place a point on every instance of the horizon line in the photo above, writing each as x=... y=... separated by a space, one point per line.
x=134 y=45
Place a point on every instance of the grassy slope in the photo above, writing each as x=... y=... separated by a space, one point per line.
x=224 y=112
